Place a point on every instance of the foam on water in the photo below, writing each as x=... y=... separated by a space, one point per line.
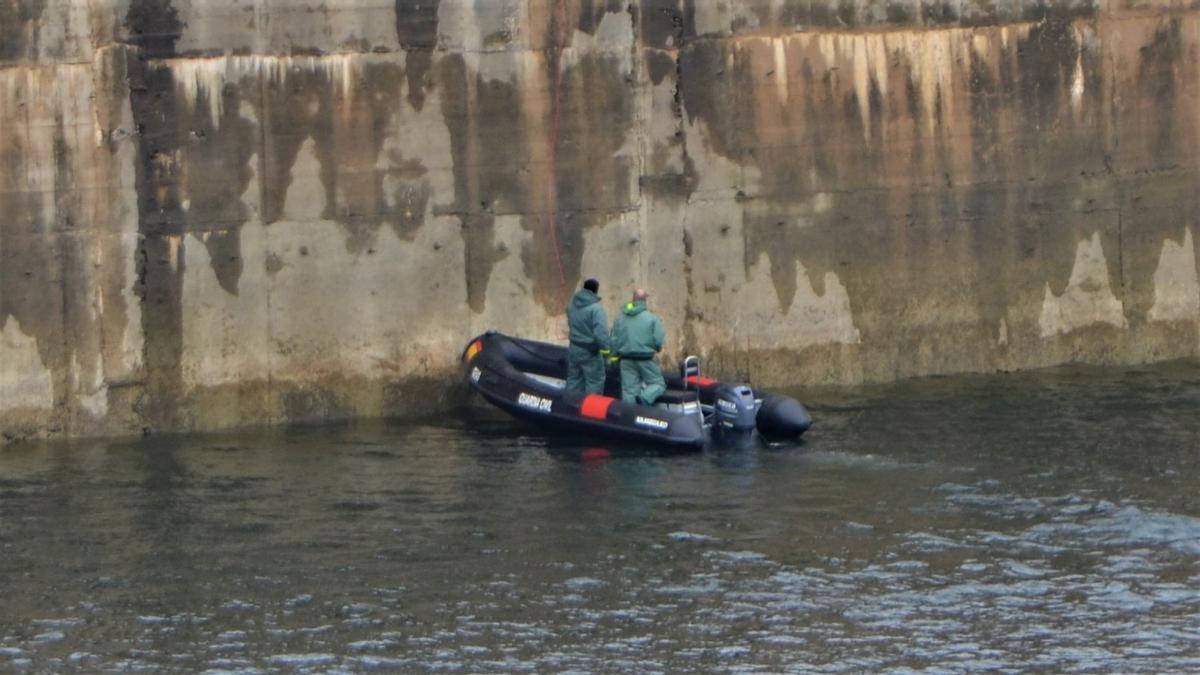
x=58 y=623
x=691 y=536
x=226 y=647
x=238 y=605
x=299 y=600
x=1021 y=570
x=582 y=583
x=925 y=542
x=381 y=663
x=370 y=645
x=232 y=667
x=738 y=557
x=301 y=660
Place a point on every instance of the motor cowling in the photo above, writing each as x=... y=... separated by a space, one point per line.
x=734 y=408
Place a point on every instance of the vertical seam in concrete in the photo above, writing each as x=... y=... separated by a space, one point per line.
x=1121 y=257
x=689 y=331
x=65 y=312
x=100 y=287
x=643 y=106
x=1114 y=179
x=559 y=45
x=70 y=391
x=265 y=112
x=471 y=162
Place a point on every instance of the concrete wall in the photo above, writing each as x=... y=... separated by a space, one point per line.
x=216 y=213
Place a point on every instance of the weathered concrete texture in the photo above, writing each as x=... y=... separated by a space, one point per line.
x=55 y=31
x=71 y=342
x=993 y=197
x=228 y=213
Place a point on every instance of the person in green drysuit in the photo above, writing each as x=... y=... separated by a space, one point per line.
x=587 y=324
x=637 y=336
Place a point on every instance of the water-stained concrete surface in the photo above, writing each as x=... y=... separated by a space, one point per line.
x=220 y=214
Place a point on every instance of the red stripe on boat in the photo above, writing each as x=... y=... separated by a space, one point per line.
x=701 y=381
x=595 y=406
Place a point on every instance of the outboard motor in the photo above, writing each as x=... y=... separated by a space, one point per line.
x=734 y=408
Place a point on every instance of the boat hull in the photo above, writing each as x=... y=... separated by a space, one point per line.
x=523 y=378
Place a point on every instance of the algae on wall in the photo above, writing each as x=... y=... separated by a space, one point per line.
x=217 y=214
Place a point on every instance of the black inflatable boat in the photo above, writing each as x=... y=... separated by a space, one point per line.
x=525 y=379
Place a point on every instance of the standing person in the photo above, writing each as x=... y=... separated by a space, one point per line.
x=637 y=336
x=587 y=324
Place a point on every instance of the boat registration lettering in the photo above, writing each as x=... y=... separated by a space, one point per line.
x=651 y=422
x=534 y=402
x=475 y=374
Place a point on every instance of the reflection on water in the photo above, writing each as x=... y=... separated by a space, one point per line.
x=1042 y=521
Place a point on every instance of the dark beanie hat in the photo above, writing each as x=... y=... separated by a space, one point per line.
x=592 y=285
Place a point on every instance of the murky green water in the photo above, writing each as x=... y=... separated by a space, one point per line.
x=1046 y=521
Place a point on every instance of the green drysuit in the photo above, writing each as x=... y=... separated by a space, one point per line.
x=637 y=336
x=588 y=326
